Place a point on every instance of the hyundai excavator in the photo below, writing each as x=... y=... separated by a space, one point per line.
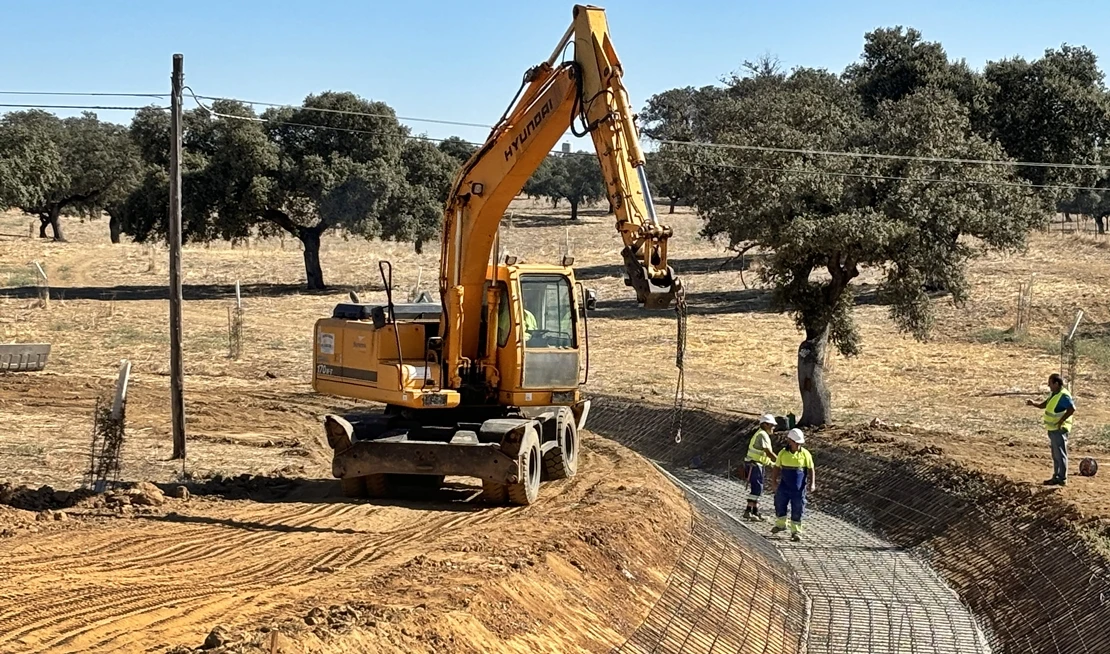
x=486 y=382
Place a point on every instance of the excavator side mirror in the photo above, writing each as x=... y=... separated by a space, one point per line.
x=591 y=299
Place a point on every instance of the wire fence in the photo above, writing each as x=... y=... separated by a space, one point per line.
x=1032 y=583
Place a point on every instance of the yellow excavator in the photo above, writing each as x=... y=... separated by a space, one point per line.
x=486 y=382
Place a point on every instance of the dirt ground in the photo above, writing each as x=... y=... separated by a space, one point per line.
x=963 y=391
x=575 y=572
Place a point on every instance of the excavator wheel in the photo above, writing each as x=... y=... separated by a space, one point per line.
x=365 y=486
x=353 y=486
x=376 y=485
x=494 y=493
x=527 y=489
x=561 y=462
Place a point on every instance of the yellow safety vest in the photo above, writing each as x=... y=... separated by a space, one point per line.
x=756 y=453
x=800 y=460
x=1051 y=416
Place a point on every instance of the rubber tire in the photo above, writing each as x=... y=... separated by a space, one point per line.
x=353 y=487
x=494 y=493
x=527 y=490
x=561 y=462
x=377 y=485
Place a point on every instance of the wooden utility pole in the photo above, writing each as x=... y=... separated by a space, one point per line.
x=177 y=375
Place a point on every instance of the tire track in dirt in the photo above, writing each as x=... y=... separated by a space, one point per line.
x=131 y=583
x=217 y=561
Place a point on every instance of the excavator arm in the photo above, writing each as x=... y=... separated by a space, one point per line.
x=555 y=94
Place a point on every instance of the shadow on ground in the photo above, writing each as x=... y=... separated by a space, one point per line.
x=188 y=291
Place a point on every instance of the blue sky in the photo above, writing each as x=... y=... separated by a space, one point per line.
x=463 y=60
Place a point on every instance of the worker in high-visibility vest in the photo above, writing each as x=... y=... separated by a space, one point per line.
x=793 y=476
x=759 y=457
x=1058 y=410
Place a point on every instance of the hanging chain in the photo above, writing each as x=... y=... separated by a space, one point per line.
x=681 y=312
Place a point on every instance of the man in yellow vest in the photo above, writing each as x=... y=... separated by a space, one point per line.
x=759 y=456
x=793 y=476
x=1058 y=410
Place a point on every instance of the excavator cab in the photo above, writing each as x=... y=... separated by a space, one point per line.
x=539 y=342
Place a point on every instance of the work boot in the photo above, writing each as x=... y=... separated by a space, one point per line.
x=777 y=529
x=748 y=514
x=796 y=537
x=758 y=517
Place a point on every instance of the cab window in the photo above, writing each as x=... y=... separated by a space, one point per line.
x=548 y=319
x=502 y=315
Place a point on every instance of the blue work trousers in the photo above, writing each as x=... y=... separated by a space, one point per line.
x=754 y=471
x=795 y=498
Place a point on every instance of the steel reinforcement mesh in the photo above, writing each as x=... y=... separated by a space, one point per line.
x=728 y=592
x=1031 y=583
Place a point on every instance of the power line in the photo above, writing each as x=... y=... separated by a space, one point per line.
x=868 y=155
x=928 y=180
x=91 y=95
x=696 y=163
x=698 y=144
x=75 y=106
x=345 y=112
x=259 y=119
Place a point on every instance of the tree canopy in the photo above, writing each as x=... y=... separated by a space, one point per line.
x=50 y=166
x=572 y=176
x=457 y=148
x=338 y=162
x=823 y=221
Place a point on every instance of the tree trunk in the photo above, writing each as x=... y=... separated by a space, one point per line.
x=674 y=201
x=816 y=405
x=53 y=217
x=310 y=239
x=313 y=273
x=114 y=229
x=574 y=211
x=1101 y=224
x=612 y=209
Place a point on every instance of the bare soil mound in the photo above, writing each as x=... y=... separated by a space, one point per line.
x=294 y=567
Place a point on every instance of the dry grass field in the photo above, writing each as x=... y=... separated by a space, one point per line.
x=963 y=391
x=968 y=383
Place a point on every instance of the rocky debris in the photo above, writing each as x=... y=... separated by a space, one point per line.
x=879 y=423
x=315 y=617
x=145 y=493
x=181 y=493
x=40 y=499
x=244 y=486
x=218 y=637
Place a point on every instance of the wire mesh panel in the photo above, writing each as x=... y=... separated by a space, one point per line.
x=867 y=594
x=1004 y=550
x=728 y=593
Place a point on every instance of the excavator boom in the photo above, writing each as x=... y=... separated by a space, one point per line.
x=587 y=88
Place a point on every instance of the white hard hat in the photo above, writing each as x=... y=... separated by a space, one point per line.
x=767 y=419
x=796 y=435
